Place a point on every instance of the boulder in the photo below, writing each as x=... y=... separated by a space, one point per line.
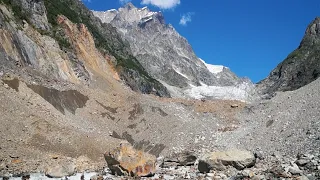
x=125 y=160
x=59 y=171
x=180 y=159
x=238 y=159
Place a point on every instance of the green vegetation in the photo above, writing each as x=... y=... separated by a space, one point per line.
x=18 y=12
x=295 y=54
x=62 y=41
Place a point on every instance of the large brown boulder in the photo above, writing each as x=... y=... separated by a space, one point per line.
x=125 y=160
x=219 y=161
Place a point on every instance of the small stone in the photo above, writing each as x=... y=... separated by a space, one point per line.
x=303 y=178
x=318 y=167
x=234 y=105
x=210 y=174
x=54 y=156
x=25 y=177
x=169 y=177
x=96 y=177
x=258 y=177
x=302 y=162
x=315 y=162
x=259 y=155
x=295 y=170
x=245 y=173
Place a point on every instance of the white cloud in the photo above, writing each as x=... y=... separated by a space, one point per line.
x=186 y=18
x=124 y=1
x=163 y=4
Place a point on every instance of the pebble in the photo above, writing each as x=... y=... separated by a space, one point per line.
x=302 y=162
x=303 y=178
x=295 y=170
x=210 y=174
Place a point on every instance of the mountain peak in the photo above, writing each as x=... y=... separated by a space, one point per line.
x=314 y=27
x=312 y=34
x=129 y=6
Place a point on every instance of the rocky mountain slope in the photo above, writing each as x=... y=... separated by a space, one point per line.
x=40 y=20
x=66 y=113
x=301 y=67
x=169 y=58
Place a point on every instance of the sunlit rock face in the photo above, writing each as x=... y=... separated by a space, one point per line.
x=168 y=56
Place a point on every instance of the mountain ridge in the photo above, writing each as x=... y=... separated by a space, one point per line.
x=168 y=56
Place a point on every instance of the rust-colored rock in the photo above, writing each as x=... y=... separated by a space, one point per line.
x=125 y=160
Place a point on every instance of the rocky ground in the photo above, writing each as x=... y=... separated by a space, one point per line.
x=282 y=134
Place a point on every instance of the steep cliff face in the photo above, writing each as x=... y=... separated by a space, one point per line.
x=57 y=47
x=301 y=67
x=168 y=57
x=22 y=47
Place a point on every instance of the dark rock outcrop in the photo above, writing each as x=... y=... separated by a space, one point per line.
x=300 y=68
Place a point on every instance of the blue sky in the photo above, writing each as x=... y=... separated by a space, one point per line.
x=249 y=36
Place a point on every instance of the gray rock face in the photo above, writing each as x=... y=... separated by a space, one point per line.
x=31 y=15
x=301 y=67
x=37 y=12
x=164 y=53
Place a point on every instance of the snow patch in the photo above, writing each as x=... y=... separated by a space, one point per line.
x=150 y=14
x=239 y=92
x=215 y=69
x=179 y=72
x=112 y=10
x=146 y=19
x=144 y=8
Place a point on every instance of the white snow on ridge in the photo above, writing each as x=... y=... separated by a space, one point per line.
x=112 y=10
x=144 y=8
x=215 y=69
x=179 y=72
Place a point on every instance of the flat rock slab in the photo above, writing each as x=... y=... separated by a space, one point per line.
x=180 y=159
x=125 y=160
x=238 y=159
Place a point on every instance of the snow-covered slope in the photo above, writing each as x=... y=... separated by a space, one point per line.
x=215 y=69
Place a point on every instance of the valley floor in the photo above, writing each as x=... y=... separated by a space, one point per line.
x=37 y=135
